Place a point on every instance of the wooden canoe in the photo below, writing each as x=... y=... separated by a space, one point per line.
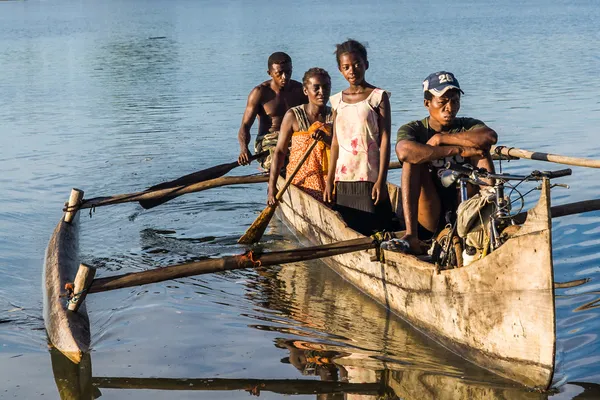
x=497 y=312
x=68 y=332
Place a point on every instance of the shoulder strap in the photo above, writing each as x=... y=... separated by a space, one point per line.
x=335 y=100
x=375 y=97
x=328 y=115
x=301 y=117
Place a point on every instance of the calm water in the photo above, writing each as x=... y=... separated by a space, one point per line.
x=114 y=96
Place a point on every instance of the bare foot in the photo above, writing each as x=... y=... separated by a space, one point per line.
x=416 y=246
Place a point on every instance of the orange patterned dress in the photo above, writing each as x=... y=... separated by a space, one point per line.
x=311 y=176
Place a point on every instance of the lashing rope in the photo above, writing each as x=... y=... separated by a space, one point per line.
x=249 y=256
x=72 y=297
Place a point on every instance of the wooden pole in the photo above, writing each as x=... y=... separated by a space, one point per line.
x=257 y=229
x=73 y=204
x=83 y=279
x=565 y=209
x=536 y=155
x=229 y=263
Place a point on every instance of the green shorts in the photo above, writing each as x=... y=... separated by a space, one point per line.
x=266 y=142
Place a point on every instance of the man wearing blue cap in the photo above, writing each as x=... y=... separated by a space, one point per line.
x=427 y=145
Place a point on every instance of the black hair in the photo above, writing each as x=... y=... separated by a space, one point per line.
x=350 y=46
x=315 y=71
x=278 y=57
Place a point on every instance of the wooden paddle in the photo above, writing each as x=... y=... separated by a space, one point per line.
x=555 y=158
x=195 y=177
x=256 y=230
x=228 y=263
x=175 y=191
x=172 y=192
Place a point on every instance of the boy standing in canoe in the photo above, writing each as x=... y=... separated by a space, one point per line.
x=425 y=146
x=269 y=101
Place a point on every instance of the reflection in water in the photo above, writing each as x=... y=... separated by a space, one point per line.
x=590 y=304
x=344 y=336
x=73 y=381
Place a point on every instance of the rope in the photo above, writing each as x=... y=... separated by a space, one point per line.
x=378 y=238
x=74 y=207
x=498 y=150
x=68 y=290
x=74 y=297
x=249 y=256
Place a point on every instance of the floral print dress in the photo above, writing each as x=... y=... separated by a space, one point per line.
x=357 y=131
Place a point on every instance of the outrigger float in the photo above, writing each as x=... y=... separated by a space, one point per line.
x=497 y=312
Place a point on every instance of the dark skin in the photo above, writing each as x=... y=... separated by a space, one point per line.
x=269 y=101
x=317 y=89
x=353 y=68
x=420 y=199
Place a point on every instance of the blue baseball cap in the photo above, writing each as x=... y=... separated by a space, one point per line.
x=440 y=82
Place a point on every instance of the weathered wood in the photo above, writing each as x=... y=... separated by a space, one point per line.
x=565 y=210
x=195 y=177
x=539 y=156
x=83 y=279
x=497 y=312
x=173 y=192
x=229 y=263
x=73 y=204
x=570 y=284
x=257 y=229
x=69 y=332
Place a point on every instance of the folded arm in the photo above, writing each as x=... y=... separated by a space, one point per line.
x=480 y=138
x=413 y=152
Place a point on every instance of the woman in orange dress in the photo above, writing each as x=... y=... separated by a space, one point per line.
x=300 y=126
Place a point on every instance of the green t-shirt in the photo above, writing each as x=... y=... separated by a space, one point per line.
x=421 y=132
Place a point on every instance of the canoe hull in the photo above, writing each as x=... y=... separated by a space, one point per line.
x=497 y=313
x=68 y=332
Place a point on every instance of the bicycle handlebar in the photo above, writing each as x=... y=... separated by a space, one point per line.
x=468 y=171
x=553 y=174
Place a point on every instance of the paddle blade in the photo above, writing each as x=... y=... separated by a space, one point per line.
x=148 y=204
x=200 y=176
x=196 y=177
x=257 y=229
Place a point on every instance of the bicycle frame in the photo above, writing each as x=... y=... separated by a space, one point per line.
x=466 y=173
